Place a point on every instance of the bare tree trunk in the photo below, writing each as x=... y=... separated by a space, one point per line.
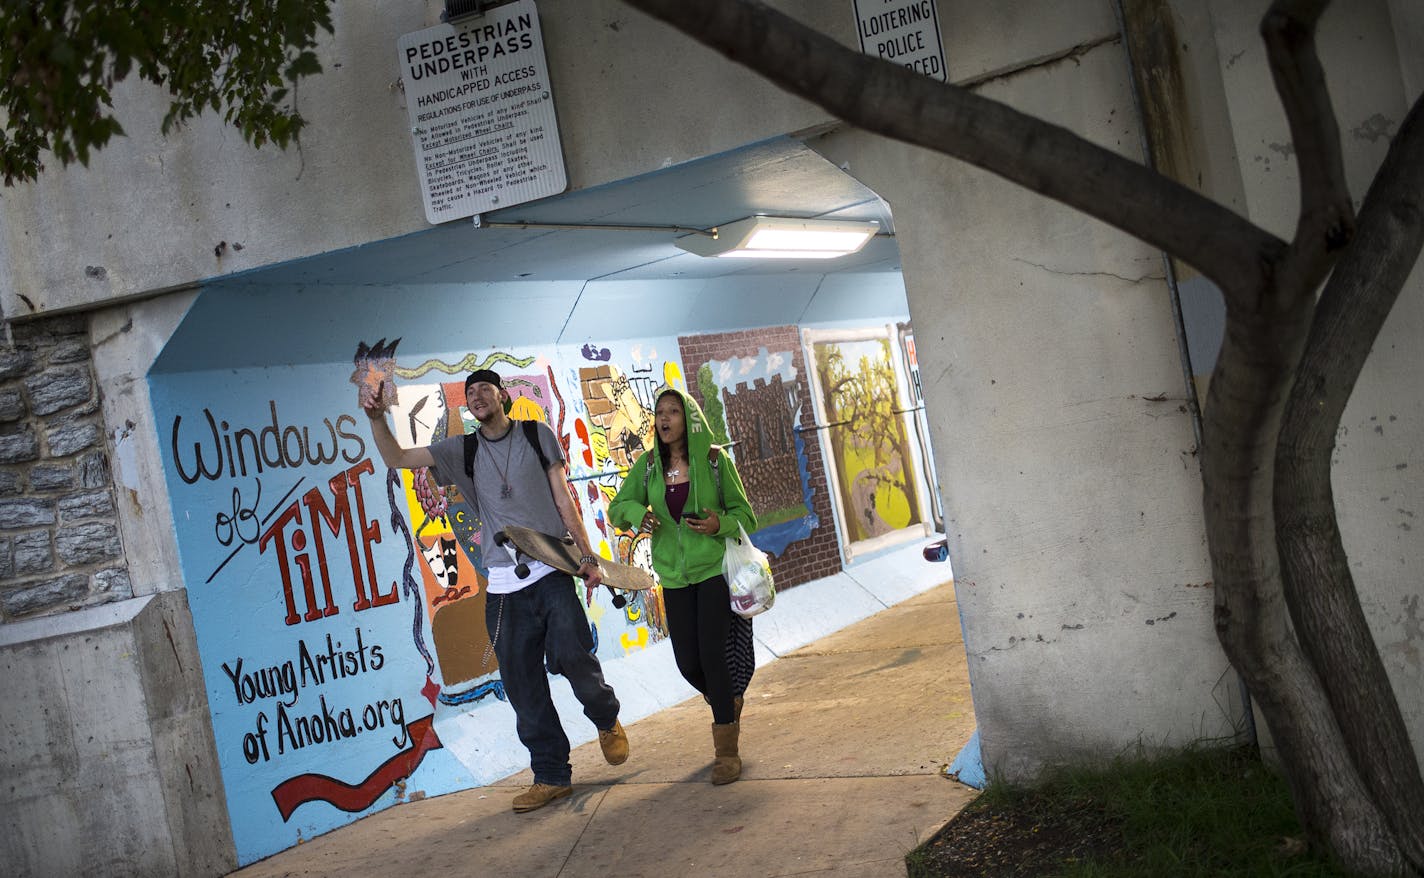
x=1269 y=287
x=1242 y=415
x=1321 y=684
x=1320 y=590
x=1266 y=330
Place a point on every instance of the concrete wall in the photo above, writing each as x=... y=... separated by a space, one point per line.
x=1046 y=342
x=1062 y=439
x=109 y=761
x=1089 y=518
x=351 y=181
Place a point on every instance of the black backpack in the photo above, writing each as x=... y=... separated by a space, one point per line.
x=531 y=432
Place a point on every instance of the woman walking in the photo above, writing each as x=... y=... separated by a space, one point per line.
x=687 y=493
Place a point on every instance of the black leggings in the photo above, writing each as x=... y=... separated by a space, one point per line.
x=699 y=616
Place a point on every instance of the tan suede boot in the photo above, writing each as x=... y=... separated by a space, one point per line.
x=728 y=765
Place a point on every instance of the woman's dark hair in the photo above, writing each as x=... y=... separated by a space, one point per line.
x=664 y=452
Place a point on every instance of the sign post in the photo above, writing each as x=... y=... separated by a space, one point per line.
x=482 y=113
x=903 y=31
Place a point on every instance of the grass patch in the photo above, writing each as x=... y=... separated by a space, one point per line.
x=777 y=516
x=1201 y=812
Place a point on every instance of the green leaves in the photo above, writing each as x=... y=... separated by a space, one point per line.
x=59 y=60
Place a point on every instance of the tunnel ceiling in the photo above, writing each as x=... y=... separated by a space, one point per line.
x=778 y=177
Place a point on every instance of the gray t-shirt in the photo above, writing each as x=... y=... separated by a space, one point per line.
x=509 y=460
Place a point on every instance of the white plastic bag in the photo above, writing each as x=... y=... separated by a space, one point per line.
x=748 y=575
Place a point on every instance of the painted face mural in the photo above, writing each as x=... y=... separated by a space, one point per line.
x=442 y=559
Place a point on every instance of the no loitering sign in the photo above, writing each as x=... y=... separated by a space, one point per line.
x=482 y=113
x=903 y=31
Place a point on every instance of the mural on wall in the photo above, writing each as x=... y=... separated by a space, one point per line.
x=870 y=453
x=753 y=405
x=446 y=527
x=339 y=607
x=311 y=622
x=810 y=551
x=918 y=420
x=602 y=408
x=619 y=427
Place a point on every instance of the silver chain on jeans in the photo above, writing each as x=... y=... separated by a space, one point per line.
x=494 y=638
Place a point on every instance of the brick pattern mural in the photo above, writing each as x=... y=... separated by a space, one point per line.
x=613 y=405
x=819 y=554
x=60 y=547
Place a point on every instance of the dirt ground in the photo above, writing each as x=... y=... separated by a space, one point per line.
x=1030 y=838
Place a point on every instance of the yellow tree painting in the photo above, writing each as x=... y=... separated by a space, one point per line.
x=866 y=434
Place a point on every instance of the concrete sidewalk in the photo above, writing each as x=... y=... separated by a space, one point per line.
x=842 y=745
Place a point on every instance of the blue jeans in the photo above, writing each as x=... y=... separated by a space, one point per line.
x=538 y=620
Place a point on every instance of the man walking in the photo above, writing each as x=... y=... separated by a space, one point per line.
x=509 y=480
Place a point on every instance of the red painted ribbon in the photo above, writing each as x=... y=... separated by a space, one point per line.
x=296 y=791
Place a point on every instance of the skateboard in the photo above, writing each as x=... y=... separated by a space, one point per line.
x=561 y=554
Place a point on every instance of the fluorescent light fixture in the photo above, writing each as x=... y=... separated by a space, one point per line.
x=774 y=237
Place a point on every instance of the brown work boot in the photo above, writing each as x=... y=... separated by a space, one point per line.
x=614 y=742
x=728 y=765
x=538 y=796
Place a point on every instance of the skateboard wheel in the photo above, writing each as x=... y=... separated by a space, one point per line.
x=521 y=570
x=619 y=602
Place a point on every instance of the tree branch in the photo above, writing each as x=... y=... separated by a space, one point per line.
x=1327 y=218
x=888 y=99
x=1320 y=590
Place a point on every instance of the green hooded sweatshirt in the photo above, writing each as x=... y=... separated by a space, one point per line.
x=681 y=556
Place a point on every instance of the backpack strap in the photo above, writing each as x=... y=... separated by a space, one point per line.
x=531 y=433
x=714 y=457
x=472 y=444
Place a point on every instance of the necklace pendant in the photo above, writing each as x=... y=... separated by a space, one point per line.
x=505 y=492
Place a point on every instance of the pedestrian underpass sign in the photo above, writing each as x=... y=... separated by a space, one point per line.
x=903 y=31
x=482 y=113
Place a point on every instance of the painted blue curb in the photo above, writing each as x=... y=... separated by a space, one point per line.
x=968 y=766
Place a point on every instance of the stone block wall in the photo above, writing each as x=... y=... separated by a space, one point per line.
x=60 y=546
x=819 y=554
